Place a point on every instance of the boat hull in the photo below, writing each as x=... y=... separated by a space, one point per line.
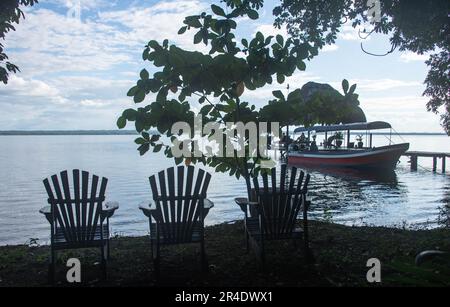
x=376 y=158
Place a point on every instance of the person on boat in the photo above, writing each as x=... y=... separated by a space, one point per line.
x=313 y=147
x=301 y=139
x=330 y=141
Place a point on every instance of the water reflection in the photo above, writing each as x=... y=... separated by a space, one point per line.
x=354 y=196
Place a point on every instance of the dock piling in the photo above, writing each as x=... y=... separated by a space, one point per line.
x=414 y=156
x=414 y=159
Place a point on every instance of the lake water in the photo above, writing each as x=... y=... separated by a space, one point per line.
x=416 y=199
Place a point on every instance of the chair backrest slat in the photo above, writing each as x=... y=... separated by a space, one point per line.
x=171 y=184
x=67 y=206
x=187 y=200
x=60 y=209
x=84 y=203
x=98 y=209
x=179 y=206
x=77 y=200
x=180 y=187
x=280 y=201
x=77 y=212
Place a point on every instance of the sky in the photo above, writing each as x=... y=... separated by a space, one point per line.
x=78 y=64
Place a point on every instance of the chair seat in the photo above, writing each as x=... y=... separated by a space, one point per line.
x=174 y=233
x=253 y=229
x=60 y=240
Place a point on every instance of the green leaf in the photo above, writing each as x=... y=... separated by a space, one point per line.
x=121 y=122
x=218 y=10
x=259 y=36
x=280 y=78
x=133 y=91
x=139 y=126
x=154 y=44
x=278 y=94
x=352 y=89
x=193 y=21
x=301 y=65
x=155 y=138
x=252 y=14
x=144 y=74
x=345 y=85
x=139 y=141
x=280 y=40
x=198 y=37
x=162 y=96
x=139 y=97
x=146 y=135
x=182 y=30
x=130 y=114
x=157 y=148
x=145 y=53
x=143 y=148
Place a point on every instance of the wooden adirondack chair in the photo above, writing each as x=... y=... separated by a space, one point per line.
x=271 y=210
x=78 y=220
x=178 y=210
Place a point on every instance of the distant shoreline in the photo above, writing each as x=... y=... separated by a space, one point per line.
x=133 y=132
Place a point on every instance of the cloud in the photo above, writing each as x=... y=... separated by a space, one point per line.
x=270 y=30
x=349 y=33
x=51 y=42
x=405 y=113
x=412 y=56
x=21 y=88
x=157 y=22
x=263 y=95
x=375 y=85
x=330 y=48
x=83 y=4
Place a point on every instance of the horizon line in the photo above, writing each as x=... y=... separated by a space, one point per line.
x=130 y=132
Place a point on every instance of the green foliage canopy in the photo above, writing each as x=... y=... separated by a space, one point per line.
x=216 y=79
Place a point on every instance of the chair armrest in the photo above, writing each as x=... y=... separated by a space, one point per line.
x=147 y=208
x=244 y=204
x=47 y=212
x=207 y=205
x=109 y=209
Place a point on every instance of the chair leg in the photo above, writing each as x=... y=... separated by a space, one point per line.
x=247 y=240
x=262 y=254
x=157 y=261
x=108 y=251
x=204 y=260
x=307 y=251
x=103 y=262
x=51 y=269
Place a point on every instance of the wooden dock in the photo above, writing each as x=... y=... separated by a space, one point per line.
x=414 y=156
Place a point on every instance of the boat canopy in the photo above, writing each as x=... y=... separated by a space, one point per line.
x=353 y=126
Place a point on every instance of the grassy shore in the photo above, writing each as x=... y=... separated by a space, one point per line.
x=340 y=255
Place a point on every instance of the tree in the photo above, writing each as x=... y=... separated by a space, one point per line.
x=414 y=25
x=324 y=105
x=10 y=13
x=217 y=80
